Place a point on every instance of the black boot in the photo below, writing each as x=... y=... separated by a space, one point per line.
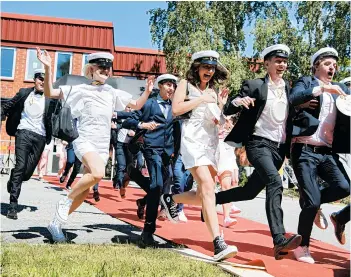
x=147 y=240
x=12 y=212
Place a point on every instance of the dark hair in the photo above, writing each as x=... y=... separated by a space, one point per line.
x=193 y=77
x=319 y=61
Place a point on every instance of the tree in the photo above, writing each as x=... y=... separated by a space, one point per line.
x=186 y=27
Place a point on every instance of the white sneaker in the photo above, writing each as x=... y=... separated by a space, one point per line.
x=234 y=209
x=62 y=209
x=162 y=215
x=55 y=230
x=227 y=222
x=302 y=254
x=182 y=217
x=320 y=220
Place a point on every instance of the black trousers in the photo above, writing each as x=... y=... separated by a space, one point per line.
x=28 y=148
x=343 y=216
x=307 y=166
x=267 y=158
x=75 y=171
x=158 y=175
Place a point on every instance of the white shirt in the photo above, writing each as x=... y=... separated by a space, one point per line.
x=327 y=117
x=164 y=108
x=123 y=136
x=32 y=114
x=269 y=126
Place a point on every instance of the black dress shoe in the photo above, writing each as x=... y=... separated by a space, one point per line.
x=147 y=240
x=63 y=178
x=12 y=212
x=141 y=208
x=339 y=229
x=202 y=216
x=285 y=245
x=96 y=196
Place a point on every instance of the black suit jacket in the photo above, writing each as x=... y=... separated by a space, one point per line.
x=302 y=93
x=13 y=108
x=245 y=126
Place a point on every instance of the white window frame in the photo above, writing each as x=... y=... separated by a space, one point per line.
x=70 y=62
x=13 y=62
x=27 y=63
x=83 y=60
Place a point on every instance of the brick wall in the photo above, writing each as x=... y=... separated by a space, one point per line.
x=10 y=87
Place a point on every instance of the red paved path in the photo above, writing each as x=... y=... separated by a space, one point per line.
x=252 y=238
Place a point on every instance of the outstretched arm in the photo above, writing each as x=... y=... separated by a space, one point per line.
x=139 y=103
x=49 y=91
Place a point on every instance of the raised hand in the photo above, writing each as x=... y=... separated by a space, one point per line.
x=223 y=96
x=150 y=83
x=44 y=58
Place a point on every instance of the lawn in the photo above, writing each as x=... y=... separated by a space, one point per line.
x=98 y=260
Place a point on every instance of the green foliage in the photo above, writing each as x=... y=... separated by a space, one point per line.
x=186 y=27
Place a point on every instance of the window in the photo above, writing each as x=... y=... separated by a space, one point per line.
x=63 y=64
x=32 y=64
x=8 y=62
x=84 y=62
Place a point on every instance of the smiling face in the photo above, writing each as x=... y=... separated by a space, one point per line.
x=100 y=73
x=167 y=89
x=276 y=66
x=206 y=72
x=39 y=84
x=325 y=69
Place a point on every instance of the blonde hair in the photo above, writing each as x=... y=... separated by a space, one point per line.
x=87 y=71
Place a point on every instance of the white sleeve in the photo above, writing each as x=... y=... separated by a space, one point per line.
x=235 y=103
x=122 y=99
x=317 y=91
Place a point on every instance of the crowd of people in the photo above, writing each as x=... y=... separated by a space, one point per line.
x=186 y=131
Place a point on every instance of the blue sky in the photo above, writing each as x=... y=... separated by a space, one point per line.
x=130 y=21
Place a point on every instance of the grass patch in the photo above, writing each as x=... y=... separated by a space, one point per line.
x=98 y=260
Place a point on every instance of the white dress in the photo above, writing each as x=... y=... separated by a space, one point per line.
x=226 y=155
x=199 y=140
x=93 y=106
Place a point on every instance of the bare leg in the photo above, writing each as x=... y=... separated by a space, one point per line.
x=204 y=176
x=94 y=172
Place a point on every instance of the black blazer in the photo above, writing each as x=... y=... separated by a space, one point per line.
x=13 y=108
x=161 y=138
x=245 y=126
x=302 y=93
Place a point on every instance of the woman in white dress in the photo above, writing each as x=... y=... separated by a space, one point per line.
x=199 y=141
x=92 y=105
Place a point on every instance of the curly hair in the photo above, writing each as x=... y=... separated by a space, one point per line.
x=193 y=77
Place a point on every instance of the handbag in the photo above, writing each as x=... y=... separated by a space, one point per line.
x=63 y=126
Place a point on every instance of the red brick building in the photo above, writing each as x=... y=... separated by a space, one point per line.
x=68 y=42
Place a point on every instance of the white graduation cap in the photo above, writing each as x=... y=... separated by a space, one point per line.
x=277 y=50
x=101 y=58
x=166 y=77
x=324 y=52
x=206 y=57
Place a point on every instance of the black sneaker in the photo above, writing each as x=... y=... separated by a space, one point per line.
x=170 y=207
x=12 y=212
x=339 y=229
x=222 y=250
x=147 y=240
x=284 y=245
x=96 y=196
x=141 y=208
